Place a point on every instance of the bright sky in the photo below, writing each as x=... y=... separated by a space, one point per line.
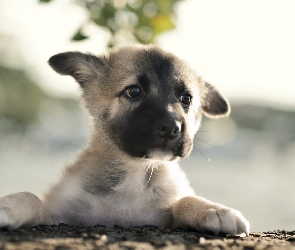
x=245 y=48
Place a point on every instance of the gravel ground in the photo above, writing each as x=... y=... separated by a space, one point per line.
x=99 y=237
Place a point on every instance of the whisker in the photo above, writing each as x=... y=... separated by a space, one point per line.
x=109 y=147
x=202 y=150
x=152 y=170
x=205 y=142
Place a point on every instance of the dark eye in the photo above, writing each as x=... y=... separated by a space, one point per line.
x=186 y=99
x=133 y=91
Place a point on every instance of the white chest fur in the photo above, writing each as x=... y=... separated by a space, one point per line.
x=144 y=196
x=147 y=194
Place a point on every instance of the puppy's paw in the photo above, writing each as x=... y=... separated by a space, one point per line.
x=225 y=220
x=204 y=215
x=20 y=209
x=6 y=219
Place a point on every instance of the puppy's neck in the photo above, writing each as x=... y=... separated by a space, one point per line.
x=101 y=147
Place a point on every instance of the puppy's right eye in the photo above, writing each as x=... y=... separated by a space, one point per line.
x=133 y=91
x=186 y=99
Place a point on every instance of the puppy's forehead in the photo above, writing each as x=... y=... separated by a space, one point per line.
x=152 y=65
x=156 y=62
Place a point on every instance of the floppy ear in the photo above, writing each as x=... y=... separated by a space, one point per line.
x=83 y=67
x=214 y=104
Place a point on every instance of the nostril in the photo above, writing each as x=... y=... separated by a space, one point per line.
x=161 y=130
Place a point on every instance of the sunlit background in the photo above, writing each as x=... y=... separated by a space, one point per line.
x=245 y=48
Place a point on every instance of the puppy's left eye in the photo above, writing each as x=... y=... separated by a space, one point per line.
x=186 y=99
x=133 y=91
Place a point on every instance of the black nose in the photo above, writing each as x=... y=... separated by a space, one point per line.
x=168 y=129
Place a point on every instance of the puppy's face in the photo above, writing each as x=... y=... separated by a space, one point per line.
x=147 y=101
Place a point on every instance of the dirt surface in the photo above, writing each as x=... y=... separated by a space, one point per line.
x=99 y=237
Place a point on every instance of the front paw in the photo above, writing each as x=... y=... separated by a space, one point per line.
x=20 y=209
x=6 y=219
x=224 y=220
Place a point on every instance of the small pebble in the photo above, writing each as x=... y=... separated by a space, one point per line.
x=104 y=238
x=202 y=240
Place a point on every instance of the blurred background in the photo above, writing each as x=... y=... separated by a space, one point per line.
x=245 y=48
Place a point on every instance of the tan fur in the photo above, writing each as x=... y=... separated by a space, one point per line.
x=106 y=184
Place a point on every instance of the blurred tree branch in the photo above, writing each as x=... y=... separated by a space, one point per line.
x=19 y=103
x=129 y=20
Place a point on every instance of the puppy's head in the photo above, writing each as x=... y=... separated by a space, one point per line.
x=147 y=101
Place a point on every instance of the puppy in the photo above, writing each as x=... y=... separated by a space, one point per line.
x=146 y=106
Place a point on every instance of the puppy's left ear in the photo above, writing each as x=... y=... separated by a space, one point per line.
x=83 y=67
x=214 y=104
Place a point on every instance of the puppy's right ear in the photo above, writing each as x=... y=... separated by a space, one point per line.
x=214 y=104
x=83 y=67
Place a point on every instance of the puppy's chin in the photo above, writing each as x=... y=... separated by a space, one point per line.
x=160 y=155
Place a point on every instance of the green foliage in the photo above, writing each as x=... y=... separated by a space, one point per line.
x=79 y=36
x=20 y=99
x=132 y=20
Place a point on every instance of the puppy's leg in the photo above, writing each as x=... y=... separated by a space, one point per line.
x=201 y=214
x=20 y=209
